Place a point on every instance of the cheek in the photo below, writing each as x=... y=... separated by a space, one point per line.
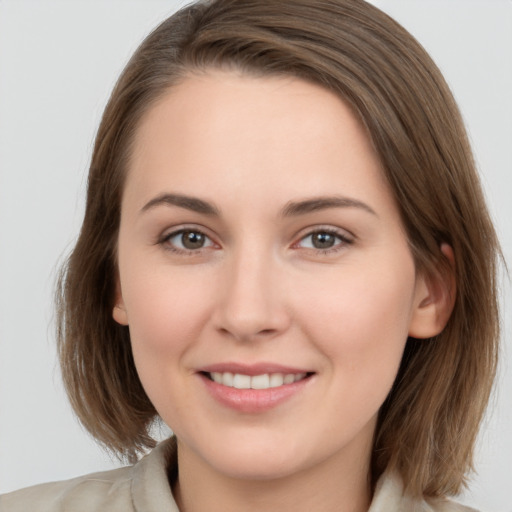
x=166 y=315
x=166 y=312
x=361 y=321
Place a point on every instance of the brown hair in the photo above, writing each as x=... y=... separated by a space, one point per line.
x=428 y=424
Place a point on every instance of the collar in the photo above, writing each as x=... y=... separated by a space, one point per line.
x=151 y=492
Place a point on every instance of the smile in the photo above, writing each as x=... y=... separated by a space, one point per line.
x=263 y=381
x=256 y=388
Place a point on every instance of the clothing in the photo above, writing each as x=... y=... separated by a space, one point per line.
x=145 y=487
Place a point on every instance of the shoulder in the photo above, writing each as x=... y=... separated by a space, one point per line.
x=447 y=505
x=97 y=491
x=142 y=487
x=389 y=495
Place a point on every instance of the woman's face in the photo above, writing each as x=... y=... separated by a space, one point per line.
x=261 y=247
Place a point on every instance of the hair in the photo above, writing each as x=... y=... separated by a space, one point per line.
x=427 y=426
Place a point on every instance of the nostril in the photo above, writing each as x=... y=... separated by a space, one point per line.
x=240 y=335
x=267 y=331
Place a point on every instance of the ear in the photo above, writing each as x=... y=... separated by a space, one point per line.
x=119 y=312
x=434 y=299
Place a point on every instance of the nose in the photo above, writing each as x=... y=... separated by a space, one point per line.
x=252 y=300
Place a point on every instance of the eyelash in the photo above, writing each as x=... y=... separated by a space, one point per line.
x=165 y=242
x=343 y=241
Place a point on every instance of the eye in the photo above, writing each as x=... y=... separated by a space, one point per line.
x=324 y=240
x=187 y=240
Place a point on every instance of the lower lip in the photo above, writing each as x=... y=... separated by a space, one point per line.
x=253 y=400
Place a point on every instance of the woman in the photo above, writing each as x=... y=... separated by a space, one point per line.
x=282 y=220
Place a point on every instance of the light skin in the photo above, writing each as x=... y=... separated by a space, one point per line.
x=294 y=255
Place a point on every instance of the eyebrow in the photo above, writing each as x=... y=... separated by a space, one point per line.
x=188 y=202
x=291 y=209
x=322 y=203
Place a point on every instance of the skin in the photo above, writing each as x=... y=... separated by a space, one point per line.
x=260 y=289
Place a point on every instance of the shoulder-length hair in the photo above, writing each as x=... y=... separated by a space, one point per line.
x=427 y=427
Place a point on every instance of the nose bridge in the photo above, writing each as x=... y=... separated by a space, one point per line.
x=251 y=303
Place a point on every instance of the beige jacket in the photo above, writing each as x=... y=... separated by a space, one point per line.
x=144 y=487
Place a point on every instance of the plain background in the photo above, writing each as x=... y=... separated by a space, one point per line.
x=58 y=63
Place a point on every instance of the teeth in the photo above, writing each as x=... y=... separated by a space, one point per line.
x=227 y=379
x=264 y=381
x=276 y=380
x=289 y=378
x=241 y=381
x=217 y=377
x=260 y=381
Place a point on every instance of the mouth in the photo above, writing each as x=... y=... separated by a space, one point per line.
x=261 y=382
x=254 y=388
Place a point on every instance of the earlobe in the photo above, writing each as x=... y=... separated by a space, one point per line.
x=119 y=314
x=434 y=299
x=119 y=311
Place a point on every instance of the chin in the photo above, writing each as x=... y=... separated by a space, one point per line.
x=271 y=466
x=262 y=456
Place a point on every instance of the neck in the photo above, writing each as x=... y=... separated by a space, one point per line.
x=327 y=487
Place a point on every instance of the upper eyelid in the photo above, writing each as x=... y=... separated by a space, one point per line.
x=168 y=232
x=342 y=238
x=342 y=232
x=172 y=234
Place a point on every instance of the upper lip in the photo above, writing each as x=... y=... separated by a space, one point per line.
x=251 y=369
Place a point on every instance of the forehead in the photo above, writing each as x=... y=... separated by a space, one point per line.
x=225 y=128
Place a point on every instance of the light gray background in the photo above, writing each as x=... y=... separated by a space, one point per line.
x=58 y=63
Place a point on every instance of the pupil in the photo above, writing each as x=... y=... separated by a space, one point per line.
x=323 y=240
x=192 y=240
